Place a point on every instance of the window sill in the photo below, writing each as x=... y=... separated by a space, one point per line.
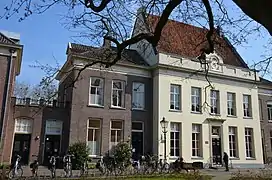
x=116 y=107
x=137 y=109
x=248 y=158
x=199 y=158
x=234 y=158
x=94 y=156
x=214 y=114
x=247 y=117
x=196 y=112
x=232 y=116
x=95 y=106
x=174 y=110
x=173 y=157
x=270 y=121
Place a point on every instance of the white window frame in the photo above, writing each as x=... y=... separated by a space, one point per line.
x=233 y=143
x=231 y=104
x=196 y=140
x=138 y=95
x=176 y=131
x=117 y=97
x=249 y=144
x=176 y=95
x=195 y=99
x=112 y=144
x=247 y=106
x=97 y=88
x=269 y=111
x=94 y=133
x=214 y=96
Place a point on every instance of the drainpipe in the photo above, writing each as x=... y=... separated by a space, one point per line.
x=5 y=96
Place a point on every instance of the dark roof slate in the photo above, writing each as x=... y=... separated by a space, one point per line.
x=107 y=54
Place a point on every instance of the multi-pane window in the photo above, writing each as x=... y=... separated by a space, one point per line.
x=233 y=142
x=247 y=105
x=196 y=101
x=96 y=96
x=249 y=142
x=23 y=126
x=231 y=104
x=116 y=132
x=175 y=97
x=118 y=93
x=138 y=96
x=196 y=135
x=269 y=111
x=94 y=135
x=175 y=139
x=214 y=102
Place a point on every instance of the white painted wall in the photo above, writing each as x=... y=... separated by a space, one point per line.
x=166 y=76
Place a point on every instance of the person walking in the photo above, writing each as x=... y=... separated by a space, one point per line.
x=226 y=161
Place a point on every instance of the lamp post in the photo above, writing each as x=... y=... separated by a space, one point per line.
x=164 y=125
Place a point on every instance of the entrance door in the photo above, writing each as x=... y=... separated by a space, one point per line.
x=137 y=140
x=137 y=144
x=52 y=147
x=21 y=146
x=216 y=150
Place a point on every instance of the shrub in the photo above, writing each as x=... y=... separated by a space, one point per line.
x=250 y=175
x=80 y=152
x=122 y=153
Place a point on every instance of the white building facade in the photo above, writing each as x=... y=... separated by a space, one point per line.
x=210 y=110
x=205 y=122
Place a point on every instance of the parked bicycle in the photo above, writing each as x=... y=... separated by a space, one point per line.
x=34 y=166
x=16 y=168
x=85 y=167
x=67 y=165
x=52 y=165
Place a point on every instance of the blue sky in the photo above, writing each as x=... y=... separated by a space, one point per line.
x=45 y=40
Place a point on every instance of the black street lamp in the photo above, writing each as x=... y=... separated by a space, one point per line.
x=164 y=125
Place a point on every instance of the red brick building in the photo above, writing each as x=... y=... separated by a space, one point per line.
x=10 y=63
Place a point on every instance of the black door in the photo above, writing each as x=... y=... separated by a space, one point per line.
x=52 y=147
x=137 y=144
x=216 y=151
x=21 y=146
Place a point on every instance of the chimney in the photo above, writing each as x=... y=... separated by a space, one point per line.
x=106 y=43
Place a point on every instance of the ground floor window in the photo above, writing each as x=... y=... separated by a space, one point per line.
x=175 y=139
x=196 y=138
x=249 y=142
x=94 y=137
x=233 y=142
x=116 y=132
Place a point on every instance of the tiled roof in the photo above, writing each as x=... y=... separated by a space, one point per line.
x=4 y=39
x=107 y=54
x=187 y=40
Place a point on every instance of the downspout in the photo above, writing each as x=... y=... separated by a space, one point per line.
x=5 y=96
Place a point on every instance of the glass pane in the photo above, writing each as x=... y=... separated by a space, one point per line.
x=172 y=152
x=96 y=82
x=137 y=126
x=177 y=152
x=116 y=124
x=94 y=123
x=112 y=135
x=119 y=136
x=117 y=85
x=172 y=143
x=90 y=135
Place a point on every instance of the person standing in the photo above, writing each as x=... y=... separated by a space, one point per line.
x=226 y=161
